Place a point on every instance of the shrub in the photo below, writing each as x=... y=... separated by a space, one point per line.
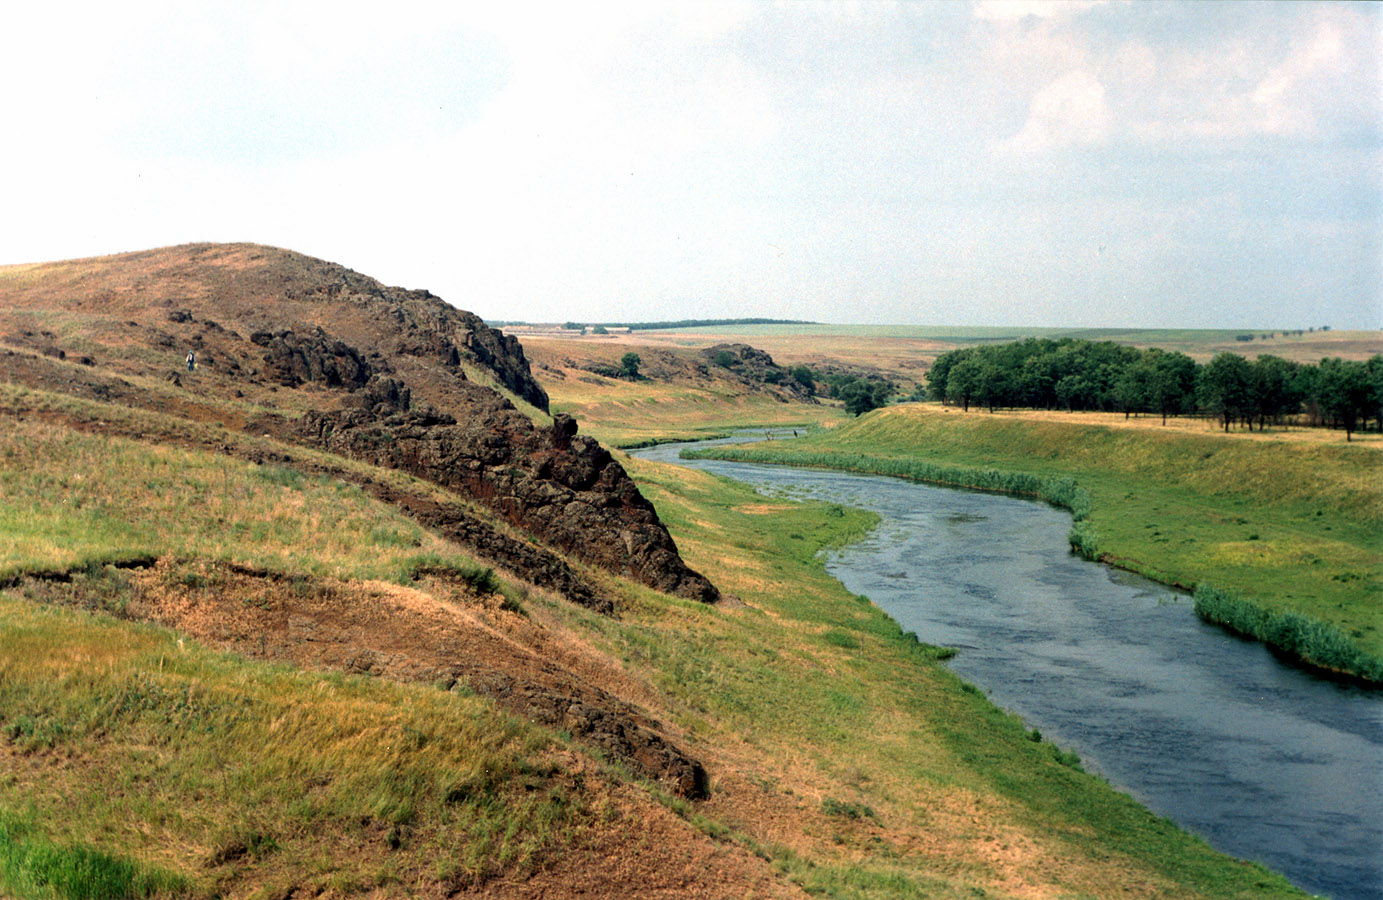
x=846 y=810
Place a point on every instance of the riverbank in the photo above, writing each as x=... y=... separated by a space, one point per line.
x=923 y=782
x=1286 y=530
x=1209 y=731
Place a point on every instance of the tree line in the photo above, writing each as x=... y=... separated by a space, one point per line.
x=1076 y=374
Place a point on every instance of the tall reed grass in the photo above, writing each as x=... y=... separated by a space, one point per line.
x=1311 y=640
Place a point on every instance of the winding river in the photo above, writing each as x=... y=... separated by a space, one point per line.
x=1264 y=761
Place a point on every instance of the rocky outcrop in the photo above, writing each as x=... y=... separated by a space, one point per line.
x=292 y=359
x=603 y=721
x=561 y=487
x=407 y=384
x=755 y=366
x=423 y=325
x=530 y=561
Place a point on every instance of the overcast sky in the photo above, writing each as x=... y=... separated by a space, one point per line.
x=1070 y=164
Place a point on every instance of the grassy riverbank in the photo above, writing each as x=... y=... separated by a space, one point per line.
x=921 y=783
x=1286 y=530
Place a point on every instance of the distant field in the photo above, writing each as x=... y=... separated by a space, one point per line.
x=903 y=353
x=1200 y=344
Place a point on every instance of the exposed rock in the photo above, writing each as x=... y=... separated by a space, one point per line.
x=426 y=326
x=755 y=366
x=562 y=487
x=394 y=365
x=293 y=359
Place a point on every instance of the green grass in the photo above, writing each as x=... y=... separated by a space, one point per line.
x=188 y=758
x=33 y=867
x=1291 y=526
x=131 y=742
x=188 y=755
x=69 y=499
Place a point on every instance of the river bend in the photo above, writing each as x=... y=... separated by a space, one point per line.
x=1263 y=760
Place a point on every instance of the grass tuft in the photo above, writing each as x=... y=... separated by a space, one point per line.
x=34 y=866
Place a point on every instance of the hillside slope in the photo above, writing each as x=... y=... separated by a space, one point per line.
x=314 y=353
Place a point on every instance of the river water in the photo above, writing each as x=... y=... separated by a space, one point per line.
x=1263 y=760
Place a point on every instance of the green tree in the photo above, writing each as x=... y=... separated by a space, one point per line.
x=993 y=385
x=861 y=395
x=1346 y=393
x=938 y=376
x=805 y=377
x=1173 y=387
x=1374 y=367
x=1223 y=387
x=1273 y=389
x=1075 y=392
x=1133 y=388
x=963 y=382
x=629 y=365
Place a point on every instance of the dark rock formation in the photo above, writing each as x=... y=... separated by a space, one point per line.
x=427 y=327
x=561 y=487
x=531 y=561
x=393 y=363
x=755 y=366
x=599 y=719
x=293 y=359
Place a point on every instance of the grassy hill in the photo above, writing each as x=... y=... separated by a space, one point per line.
x=680 y=395
x=241 y=656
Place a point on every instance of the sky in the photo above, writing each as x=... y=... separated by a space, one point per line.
x=1076 y=164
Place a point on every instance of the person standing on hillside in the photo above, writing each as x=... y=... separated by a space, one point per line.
x=191 y=360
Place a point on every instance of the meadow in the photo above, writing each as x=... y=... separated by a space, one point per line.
x=127 y=742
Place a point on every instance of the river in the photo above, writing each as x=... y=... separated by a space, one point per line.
x=1263 y=760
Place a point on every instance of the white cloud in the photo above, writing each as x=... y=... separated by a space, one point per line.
x=614 y=159
x=1069 y=111
x=1014 y=10
x=1252 y=79
x=1282 y=99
